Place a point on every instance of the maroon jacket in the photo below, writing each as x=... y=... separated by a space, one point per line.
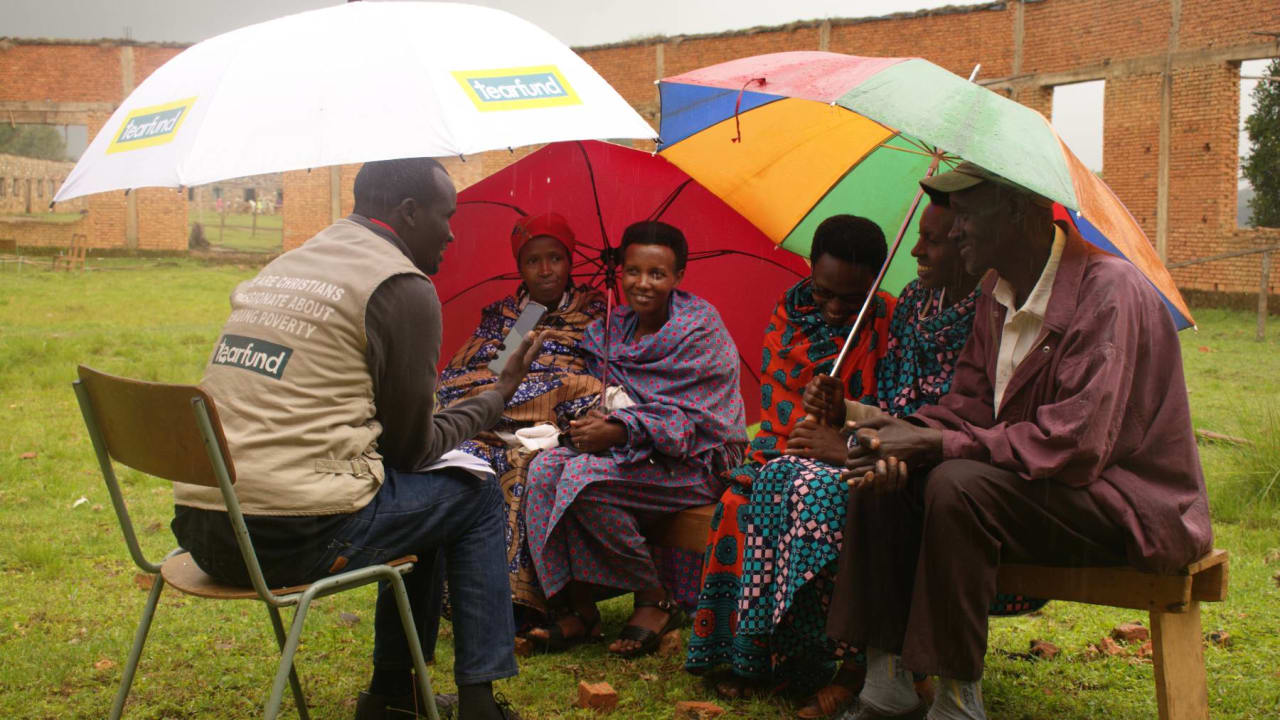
x=1099 y=402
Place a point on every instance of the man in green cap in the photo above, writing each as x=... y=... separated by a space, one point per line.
x=1065 y=440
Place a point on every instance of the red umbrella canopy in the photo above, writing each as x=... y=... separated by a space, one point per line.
x=601 y=188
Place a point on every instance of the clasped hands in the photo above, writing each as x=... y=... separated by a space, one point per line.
x=883 y=446
x=595 y=432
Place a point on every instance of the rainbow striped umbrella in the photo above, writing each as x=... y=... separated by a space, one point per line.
x=789 y=139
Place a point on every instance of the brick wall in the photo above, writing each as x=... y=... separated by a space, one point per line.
x=64 y=72
x=1024 y=48
x=27 y=184
x=80 y=83
x=1130 y=144
x=306 y=208
x=1064 y=34
x=31 y=233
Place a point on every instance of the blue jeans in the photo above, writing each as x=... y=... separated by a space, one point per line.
x=451 y=516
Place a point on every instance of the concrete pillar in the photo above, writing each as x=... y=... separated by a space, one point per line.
x=335 y=193
x=1166 y=120
x=131 y=200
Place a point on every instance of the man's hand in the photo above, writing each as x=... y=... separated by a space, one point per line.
x=518 y=365
x=824 y=399
x=596 y=433
x=818 y=441
x=885 y=445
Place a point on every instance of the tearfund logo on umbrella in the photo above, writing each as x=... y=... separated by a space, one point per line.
x=150 y=126
x=516 y=88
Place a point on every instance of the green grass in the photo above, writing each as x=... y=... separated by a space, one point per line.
x=70 y=602
x=238 y=232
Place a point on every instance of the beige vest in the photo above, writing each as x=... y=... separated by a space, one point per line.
x=291 y=382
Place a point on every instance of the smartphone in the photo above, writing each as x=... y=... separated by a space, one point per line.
x=532 y=313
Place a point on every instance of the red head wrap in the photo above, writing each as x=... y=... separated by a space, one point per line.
x=549 y=224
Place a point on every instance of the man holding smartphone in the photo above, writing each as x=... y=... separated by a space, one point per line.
x=325 y=379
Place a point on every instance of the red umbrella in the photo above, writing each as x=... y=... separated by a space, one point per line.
x=602 y=188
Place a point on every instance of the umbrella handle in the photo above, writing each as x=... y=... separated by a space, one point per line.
x=875 y=287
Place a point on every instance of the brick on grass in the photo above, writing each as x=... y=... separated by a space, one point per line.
x=697 y=710
x=597 y=696
x=1130 y=632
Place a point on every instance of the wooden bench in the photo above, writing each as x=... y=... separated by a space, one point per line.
x=1173 y=602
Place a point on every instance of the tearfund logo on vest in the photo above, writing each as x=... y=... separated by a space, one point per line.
x=253 y=354
x=150 y=126
x=518 y=88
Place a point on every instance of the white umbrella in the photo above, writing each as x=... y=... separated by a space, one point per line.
x=351 y=83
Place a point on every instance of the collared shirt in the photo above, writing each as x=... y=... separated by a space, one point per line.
x=1023 y=325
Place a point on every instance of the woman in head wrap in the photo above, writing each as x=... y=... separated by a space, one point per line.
x=558 y=387
x=657 y=451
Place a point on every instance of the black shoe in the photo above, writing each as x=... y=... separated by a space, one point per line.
x=402 y=707
x=504 y=707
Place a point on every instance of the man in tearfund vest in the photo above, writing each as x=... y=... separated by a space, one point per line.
x=1065 y=440
x=324 y=378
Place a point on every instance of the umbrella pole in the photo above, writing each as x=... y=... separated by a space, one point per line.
x=609 y=301
x=875 y=287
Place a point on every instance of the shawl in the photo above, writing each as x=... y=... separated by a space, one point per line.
x=920 y=360
x=684 y=380
x=559 y=385
x=798 y=345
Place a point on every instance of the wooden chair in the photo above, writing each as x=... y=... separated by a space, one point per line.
x=75 y=254
x=1172 y=601
x=173 y=432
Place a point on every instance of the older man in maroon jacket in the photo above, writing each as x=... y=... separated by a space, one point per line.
x=1066 y=440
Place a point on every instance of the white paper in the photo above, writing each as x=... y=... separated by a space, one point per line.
x=462 y=461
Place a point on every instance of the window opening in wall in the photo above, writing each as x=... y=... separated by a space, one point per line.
x=33 y=157
x=239 y=214
x=1253 y=88
x=45 y=142
x=1078 y=117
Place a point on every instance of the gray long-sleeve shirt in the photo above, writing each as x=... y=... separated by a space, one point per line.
x=403 y=326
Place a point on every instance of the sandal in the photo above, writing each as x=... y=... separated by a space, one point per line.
x=837 y=695
x=556 y=641
x=647 y=638
x=827 y=702
x=735 y=687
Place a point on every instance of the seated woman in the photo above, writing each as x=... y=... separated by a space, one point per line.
x=794 y=519
x=671 y=355
x=809 y=326
x=559 y=385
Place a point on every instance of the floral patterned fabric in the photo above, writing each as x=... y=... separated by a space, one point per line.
x=770 y=561
x=559 y=386
x=924 y=342
x=798 y=344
